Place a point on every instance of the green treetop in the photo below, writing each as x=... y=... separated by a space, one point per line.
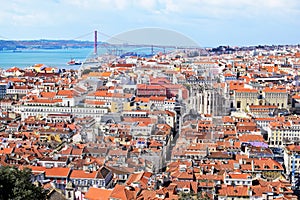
x=16 y=184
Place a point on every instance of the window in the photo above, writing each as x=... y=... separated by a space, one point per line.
x=238 y=104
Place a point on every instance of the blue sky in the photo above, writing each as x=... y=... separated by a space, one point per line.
x=209 y=22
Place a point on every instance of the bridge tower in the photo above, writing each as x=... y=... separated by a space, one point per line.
x=95 y=42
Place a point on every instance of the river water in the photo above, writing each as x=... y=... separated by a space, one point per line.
x=54 y=57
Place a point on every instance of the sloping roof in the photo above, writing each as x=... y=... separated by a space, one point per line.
x=57 y=172
x=123 y=192
x=251 y=138
x=234 y=191
x=97 y=194
x=141 y=178
x=82 y=174
x=103 y=172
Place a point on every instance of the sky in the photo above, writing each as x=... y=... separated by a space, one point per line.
x=209 y=23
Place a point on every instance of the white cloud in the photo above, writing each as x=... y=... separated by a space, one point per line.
x=146 y=4
x=227 y=8
x=171 y=6
x=202 y=8
x=99 y=5
x=77 y=17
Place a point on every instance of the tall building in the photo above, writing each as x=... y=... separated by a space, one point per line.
x=244 y=97
x=283 y=132
x=208 y=99
x=3 y=89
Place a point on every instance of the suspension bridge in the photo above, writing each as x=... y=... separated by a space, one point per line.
x=118 y=45
x=139 y=42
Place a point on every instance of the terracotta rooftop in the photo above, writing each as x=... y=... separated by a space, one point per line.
x=59 y=172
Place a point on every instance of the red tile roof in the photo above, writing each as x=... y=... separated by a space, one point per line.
x=97 y=194
x=57 y=172
x=82 y=174
x=124 y=192
x=234 y=191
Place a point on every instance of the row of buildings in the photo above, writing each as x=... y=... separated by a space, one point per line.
x=166 y=127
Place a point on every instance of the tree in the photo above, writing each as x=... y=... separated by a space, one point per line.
x=202 y=195
x=16 y=184
x=185 y=196
x=86 y=71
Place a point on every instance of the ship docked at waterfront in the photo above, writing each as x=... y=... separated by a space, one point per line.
x=74 y=62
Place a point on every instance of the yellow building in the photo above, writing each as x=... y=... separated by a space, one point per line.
x=283 y=132
x=275 y=97
x=244 y=97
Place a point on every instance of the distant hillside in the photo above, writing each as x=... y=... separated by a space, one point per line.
x=61 y=44
x=43 y=44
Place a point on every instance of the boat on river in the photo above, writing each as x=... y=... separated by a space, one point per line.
x=74 y=62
